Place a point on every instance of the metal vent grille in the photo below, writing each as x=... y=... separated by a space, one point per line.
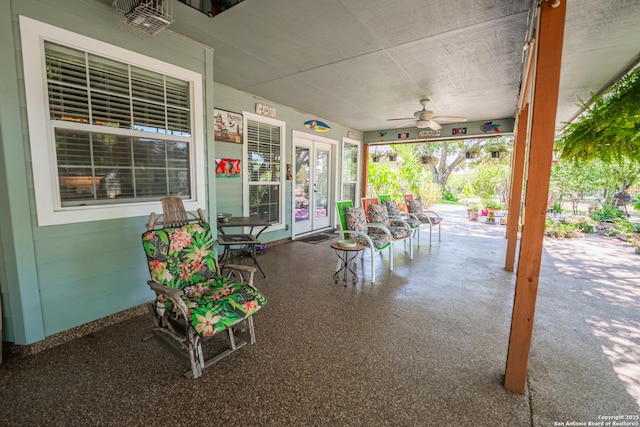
x=144 y=18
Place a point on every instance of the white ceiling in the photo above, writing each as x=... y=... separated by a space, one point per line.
x=361 y=62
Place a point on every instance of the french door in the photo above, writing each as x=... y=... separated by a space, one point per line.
x=313 y=185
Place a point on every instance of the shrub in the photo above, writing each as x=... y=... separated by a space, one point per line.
x=449 y=196
x=606 y=213
x=562 y=229
x=585 y=225
x=430 y=192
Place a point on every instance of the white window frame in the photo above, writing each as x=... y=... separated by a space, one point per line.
x=246 y=116
x=41 y=131
x=348 y=141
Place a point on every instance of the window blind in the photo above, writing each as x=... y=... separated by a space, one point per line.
x=263 y=168
x=91 y=96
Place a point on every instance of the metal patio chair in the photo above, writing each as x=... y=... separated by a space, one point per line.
x=417 y=211
x=354 y=226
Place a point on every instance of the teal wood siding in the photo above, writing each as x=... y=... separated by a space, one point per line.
x=58 y=277
x=22 y=321
x=90 y=271
x=229 y=196
x=64 y=276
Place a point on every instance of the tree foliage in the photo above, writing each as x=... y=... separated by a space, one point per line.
x=609 y=129
x=574 y=180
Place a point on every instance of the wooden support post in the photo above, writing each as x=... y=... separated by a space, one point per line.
x=365 y=170
x=543 y=115
x=517 y=175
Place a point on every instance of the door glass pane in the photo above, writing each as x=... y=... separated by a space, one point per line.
x=302 y=184
x=322 y=183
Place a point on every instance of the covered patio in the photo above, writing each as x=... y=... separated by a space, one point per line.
x=397 y=352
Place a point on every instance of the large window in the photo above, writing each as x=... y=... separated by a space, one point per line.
x=117 y=133
x=263 y=174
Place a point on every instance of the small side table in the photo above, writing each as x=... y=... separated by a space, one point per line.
x=346 y=256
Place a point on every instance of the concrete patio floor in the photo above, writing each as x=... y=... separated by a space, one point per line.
x=424 y=346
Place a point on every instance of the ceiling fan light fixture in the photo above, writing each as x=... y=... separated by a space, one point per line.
x=423 y=124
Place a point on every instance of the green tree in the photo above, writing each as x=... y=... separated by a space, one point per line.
x=574 y=180
x=443 y=158
x=411 y=173
x=488 y=178
x=382 y=180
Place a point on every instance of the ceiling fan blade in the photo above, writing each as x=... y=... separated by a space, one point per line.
x=402 y=118
x=421 y=124
x=450 y=118
x=434 y=125
x=405 y=124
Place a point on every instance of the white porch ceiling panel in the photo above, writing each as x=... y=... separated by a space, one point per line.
x=361 y=62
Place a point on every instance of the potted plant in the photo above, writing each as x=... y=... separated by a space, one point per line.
x=425 y=159
x=377 y=151
x=636 y=243
x=393 y=154
x=491 y=207
x=497 y=147
x=472 y=211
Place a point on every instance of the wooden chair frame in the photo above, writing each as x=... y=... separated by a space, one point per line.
x=173 y=326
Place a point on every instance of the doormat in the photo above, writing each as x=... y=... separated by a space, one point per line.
x=317 y=238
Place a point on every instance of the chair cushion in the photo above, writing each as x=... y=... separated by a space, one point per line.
x=181 y=256
x=413 y=223
x=400 y=232
x=379 y=240
x=392 y=208
x=356 y=219
x=424 y=218
x=378 y=214
x=184 y=258
x=219 y=304
x=415 y=206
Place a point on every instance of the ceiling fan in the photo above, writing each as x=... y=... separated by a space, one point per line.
x=427 y=119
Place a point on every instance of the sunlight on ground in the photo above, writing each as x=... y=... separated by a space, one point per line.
x=608 y=271
x=621 y=345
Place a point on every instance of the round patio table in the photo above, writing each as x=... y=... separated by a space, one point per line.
x=346 y=256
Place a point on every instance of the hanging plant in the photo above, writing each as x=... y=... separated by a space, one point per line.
x=609 y=129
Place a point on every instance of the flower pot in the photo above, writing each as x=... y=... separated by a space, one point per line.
x=637 y=249
x=473 y=216
x=491 y=216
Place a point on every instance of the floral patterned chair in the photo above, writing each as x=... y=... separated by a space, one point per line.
x=417 y=211
x=399 y=228
x=195 y=301
x=394 y=213
x=376 y=237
